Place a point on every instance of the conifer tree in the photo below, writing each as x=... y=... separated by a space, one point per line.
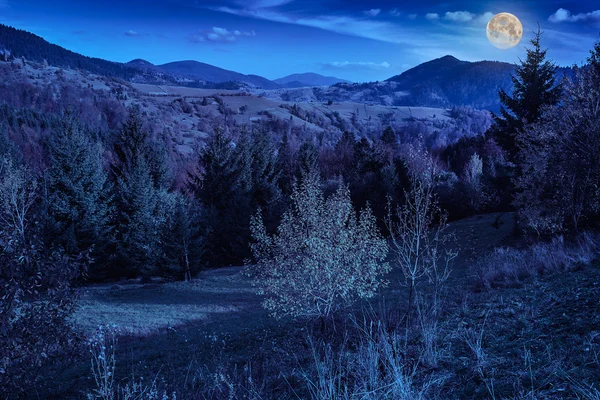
x=534 y=89
x=76 y=184
x=224 y=188
x=140 y=199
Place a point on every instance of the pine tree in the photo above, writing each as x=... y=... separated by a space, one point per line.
x=140 y=199
x=139 y=221
x=265 y=171
x=76 y=184
x=224 y=188
x=133 y=143
x=286 y=163
x=534 y=89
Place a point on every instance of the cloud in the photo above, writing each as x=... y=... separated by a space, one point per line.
x=412 y=16
x=562 y=15
x=432 y=16
x=217 y=34
x=485 y=18
x=4 y=4
x=356 y=65
x=256 y=4
x=394 y=12
x=132 y=33
x=372 y=12
x=459 y=16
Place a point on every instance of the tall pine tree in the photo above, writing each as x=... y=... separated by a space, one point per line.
x=223 y=185
x=141 y=200
x=534 y=89
x=77 y=189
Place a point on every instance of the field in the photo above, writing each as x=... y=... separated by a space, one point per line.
x=537 y=339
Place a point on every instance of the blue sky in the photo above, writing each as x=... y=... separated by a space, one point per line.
x=356 y=40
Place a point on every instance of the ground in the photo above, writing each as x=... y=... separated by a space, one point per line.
x=539 y=340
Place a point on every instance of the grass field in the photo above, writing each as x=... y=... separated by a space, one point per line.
x=537 y=339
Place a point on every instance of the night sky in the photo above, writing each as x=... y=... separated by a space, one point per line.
x=354 y=40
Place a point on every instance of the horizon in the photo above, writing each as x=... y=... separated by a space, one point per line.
x=358 y=42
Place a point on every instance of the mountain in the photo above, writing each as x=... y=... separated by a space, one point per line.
x=21 y=43
x=307 y=80
x=448 y=81
x=210 y=73
x=34 y=48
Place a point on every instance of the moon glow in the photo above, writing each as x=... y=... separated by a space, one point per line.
x=504 y=31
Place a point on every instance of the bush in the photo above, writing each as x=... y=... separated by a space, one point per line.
x=509 y=267
x=322 y=258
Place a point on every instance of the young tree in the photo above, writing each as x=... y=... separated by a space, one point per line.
x=323 y=256
x=416 y=234
x=534 y=89
x=77 y=192
x=36 y=296
x=183 y=239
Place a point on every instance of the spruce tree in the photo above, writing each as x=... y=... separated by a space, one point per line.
x=139 y=222
x=77 y=192
x=224 y=188
x=534 y=89
x=140 y=199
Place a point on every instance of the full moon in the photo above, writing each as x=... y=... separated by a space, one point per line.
x=504 y=31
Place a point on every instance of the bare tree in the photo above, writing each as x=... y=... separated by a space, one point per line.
x=416 y=234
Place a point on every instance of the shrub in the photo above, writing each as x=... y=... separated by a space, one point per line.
x=509 y=267
x=323 y=256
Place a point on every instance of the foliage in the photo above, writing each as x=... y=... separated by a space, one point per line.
x=224 y=187
x=559 y=186
x=35 y=286
x=183 y=239
x=323 y=256
x=534 y=89
x=76 y=183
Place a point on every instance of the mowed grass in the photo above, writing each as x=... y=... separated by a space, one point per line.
x=139 y=309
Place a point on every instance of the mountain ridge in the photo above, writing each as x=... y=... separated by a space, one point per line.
x=308 y=79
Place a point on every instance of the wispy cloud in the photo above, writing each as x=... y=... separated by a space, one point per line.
x=459 y=16
x=256 y=4
x=485 y=18
x=132 y=33
x=394 y=12
x=563 y=15
x=372 y=12
x=356 y=65
x=4 y=4
x=217 y=34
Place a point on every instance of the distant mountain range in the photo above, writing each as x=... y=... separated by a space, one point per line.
x=307 y=80
x=444 y=82
x=198 y=71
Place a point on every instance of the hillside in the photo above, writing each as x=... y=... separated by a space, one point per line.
x=206 y=72
x=449 y=81
x=308 y=79
x=34 y=48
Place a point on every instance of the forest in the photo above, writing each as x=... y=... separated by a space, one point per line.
x=91 y=193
